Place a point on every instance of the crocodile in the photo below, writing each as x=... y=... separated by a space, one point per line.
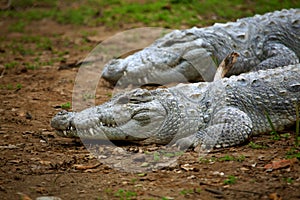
x=262 y=41
x=222 y=113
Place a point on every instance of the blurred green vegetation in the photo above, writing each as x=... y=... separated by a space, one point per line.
x=116 y=13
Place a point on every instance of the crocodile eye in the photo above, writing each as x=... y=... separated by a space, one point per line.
x=141 y=96
x=123 y=100
x=63 y=112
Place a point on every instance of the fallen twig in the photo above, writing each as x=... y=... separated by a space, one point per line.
x=85 y=167
x=226 y=65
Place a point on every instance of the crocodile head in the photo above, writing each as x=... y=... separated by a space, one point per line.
x=180 y=56
x=134 y=115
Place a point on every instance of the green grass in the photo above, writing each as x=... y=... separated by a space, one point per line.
x=19 y=48
x=10 y=65
x=44 y=44
x=230 y=180
x=10 y=86
x=19 y=86
x=232 y=158
x=125 y=194
x=189 y=191
x=31 y=66
x=156 y=156
x=275 y=134
x=256 y=146
x=293 y=153
x=66 y=105
x=19 y=26
x=166 y=13
x=288 y=180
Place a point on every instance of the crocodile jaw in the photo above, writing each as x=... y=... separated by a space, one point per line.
x=114 y=120
x=179 y=56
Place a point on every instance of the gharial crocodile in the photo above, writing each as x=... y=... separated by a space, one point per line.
x=263 y=41
x=213 y=114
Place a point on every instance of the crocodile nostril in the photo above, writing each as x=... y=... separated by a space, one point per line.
x=63 y=112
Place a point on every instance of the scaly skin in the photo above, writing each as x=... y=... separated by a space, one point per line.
x=217 y=114
x=263 y=41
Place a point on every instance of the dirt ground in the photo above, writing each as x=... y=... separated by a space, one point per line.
x=36 y=162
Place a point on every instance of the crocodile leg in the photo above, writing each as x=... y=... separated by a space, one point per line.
x=277 y=55
x=229 y=126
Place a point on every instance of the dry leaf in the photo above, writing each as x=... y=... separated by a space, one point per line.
x=275 y=196
x=280 y=164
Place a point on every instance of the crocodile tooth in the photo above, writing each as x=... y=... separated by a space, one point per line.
x=92 y=131
x=145 y=79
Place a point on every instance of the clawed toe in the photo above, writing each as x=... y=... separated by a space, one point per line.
x=185 y=143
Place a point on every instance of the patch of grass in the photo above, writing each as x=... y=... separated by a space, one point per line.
x=82 y=15
x=177 y=13
x=165 y=13
x=227 y=158
x=31 y=66
x=17 y=27
x=44 y=44
x=86 y=34
x=256 y=146
x=285 y=135
x=17 y=47
x=9 y=86
x=10 y=65
x=125 y=194
x=133 y=181
x=171 y=154
x=44 y=63
x=230 y=180
x=19 y=86
x=156 y=156
x=232 y=158
x=62 y=53
x=66 y=105
x=288 y=180
x=293 y=153
x=186 y=191
x=275 y=134
x=30 y=39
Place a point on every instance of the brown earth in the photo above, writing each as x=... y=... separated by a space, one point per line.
x=36 y=162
